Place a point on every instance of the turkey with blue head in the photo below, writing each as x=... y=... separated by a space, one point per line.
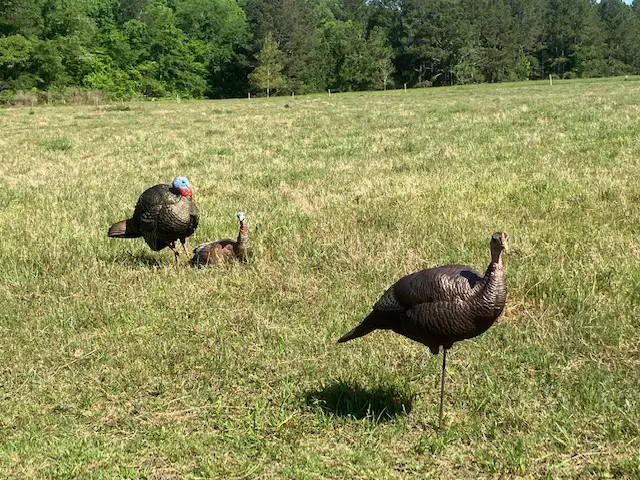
x=163 y=215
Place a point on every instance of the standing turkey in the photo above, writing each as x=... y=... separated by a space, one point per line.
x=442 y=305
x=163 y=215
x=225 y=249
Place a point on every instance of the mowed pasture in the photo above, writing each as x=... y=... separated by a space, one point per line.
x=115 y=362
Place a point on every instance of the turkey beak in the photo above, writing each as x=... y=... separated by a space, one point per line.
x=505 y=242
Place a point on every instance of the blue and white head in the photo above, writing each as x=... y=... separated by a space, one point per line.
x=243 y=221
x=182 y=185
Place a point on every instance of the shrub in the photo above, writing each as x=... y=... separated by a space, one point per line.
x=6 y=97
x=116 y=82
x=80 y=96
x=25 y=98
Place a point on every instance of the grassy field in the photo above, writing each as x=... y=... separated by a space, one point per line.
x=116 y=363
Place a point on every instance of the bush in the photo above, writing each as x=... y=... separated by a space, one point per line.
x=49 y=97
x=6 y=97
x=116 y=82
x=25 y=98
x=72 y=96
x=80 y=96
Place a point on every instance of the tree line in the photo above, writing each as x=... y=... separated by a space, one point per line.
x=226 y=48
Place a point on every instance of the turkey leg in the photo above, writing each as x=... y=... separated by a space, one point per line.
x=174 y=250
x=184 y=247
x=444 y=361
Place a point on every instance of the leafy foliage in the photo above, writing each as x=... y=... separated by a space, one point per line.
x=208 y=48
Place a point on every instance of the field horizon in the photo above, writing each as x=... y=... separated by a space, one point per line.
x=116 y=363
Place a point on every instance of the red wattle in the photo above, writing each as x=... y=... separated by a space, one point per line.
x=243 y=229
x=185 y=192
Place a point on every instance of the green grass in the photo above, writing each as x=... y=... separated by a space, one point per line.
x=57 y=143
x=116 y=363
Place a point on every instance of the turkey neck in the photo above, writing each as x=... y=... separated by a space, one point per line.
x=242 y=243
x=173 y=196
x=493 y=292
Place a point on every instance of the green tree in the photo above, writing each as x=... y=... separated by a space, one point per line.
x=169 y=65
x=356 y=61
x=381 y=56
x=296 y=26
x=529 y=34
x=621 y=36
x=268 y=72
x=219 y=32
x=21 y=17
x=435 y=36
x=494 y=29
x=15 y=54
x=202 y=47
x=574 y=41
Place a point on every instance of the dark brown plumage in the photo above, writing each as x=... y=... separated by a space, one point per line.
x=163 y=215
x=442 y=305
x=225 y=249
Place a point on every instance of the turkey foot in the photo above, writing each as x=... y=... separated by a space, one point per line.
x=174 y=250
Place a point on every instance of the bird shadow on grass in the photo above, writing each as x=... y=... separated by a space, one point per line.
x=134 y=260
x=344 y=399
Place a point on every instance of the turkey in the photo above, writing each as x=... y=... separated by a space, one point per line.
x=225 y=249
x=163 y=214
x=442 y=305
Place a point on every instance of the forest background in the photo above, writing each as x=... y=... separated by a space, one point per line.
x=125 y=49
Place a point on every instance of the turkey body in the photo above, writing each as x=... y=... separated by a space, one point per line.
x=161 y=216
x=213 y=252
x=438 y=306
x=225 y=249
x=442 y=305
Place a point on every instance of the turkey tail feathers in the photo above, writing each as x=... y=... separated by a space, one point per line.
x=360 y=331
x=124 y=229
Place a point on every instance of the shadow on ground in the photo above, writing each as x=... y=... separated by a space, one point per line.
x=344 y=399
x=138 y=260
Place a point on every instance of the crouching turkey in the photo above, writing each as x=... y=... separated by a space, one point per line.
x=225 y=249
x=163 y=215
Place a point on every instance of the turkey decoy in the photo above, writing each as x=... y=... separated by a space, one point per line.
x=225 y=249
x=163 y=214
x=442 y=305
